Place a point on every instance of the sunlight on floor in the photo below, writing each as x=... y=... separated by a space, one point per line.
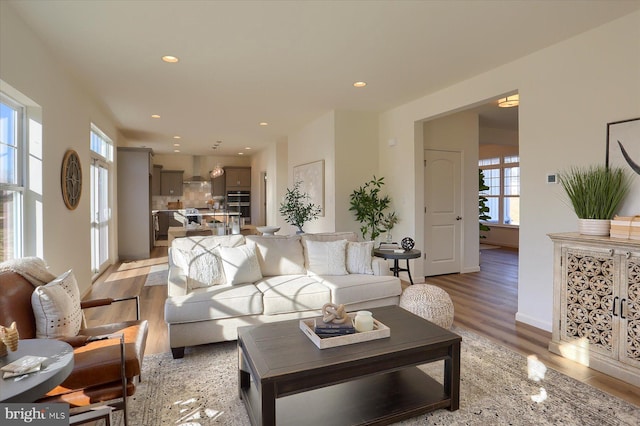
x=577 y=351
x=536 y=371
x=191 y=416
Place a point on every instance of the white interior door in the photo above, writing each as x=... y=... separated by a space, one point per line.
x=443 y=221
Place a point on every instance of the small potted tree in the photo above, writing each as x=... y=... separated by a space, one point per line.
x=369 y=205
x=595 y=192
x=296 y=209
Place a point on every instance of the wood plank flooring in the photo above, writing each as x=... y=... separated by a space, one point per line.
x=485 y=302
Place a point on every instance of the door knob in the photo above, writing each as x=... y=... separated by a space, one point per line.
x=458 y=217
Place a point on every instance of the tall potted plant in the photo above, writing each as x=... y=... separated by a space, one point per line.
x=369 y=205
x=296 y=209
x=595 y=192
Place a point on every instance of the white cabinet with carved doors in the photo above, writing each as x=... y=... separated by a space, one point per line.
x=597 y=303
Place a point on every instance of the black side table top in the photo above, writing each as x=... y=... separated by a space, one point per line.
x=390 y=254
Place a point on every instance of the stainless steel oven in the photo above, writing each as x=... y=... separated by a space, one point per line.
x=240 y=201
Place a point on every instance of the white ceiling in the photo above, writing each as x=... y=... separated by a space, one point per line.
x=286 y=62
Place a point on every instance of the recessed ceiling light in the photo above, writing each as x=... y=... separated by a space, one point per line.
x=176 y=144
x=247 y=147
x=241 y=153
x=177 y=137
x=170 y=59
x=359 y=84
x=264 y=123
x=176 y=150
x=155 y=116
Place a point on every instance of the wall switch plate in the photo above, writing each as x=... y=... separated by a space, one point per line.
x=552 y=178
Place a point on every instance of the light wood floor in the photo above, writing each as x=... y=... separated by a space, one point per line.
x=485 y=302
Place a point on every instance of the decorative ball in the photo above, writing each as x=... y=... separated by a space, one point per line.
x=407 y=243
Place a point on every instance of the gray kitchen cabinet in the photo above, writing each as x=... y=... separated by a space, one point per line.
x=135 y=227
x=171 y=182
x=166 y=219
x=238 y=178
x=155 y=179
x=218 y=186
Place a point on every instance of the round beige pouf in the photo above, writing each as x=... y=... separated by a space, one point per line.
x=429 y=302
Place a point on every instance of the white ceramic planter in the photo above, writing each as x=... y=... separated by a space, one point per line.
x=599 y=227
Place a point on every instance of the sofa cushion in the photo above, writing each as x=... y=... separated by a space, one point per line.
x=278 y=255
x=326 y=257
x=355 y=288
x=292 y=293
x=223 y=301
x=240 y=264
x=56 y=307
x=203 y=268
x=359 y=257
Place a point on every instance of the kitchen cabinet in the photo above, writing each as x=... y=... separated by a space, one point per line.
x=238 y=178
x=135 y=226
x=218 y=186
x=167 y=219
x=596 y=303
x=155 y=179
x=171 y=182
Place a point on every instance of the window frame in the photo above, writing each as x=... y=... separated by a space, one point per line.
x=20 y=185
x=503 y=163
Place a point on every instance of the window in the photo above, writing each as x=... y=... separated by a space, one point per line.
x=502 y=176
x=12 y=185
x=101 y=160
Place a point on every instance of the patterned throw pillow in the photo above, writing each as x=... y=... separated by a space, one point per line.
x=202 y=267
x=240 y=264
x=56 y=307
x=359 y=257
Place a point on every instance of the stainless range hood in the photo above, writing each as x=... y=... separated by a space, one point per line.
x=195 y=177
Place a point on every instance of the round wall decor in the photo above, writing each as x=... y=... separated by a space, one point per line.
x=71 y=179
x=407 y=243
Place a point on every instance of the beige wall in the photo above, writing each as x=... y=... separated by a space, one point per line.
x=598 y=71
x=67 y=113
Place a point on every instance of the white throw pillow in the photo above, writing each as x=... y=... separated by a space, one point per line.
x=359 y=257
x=326 y=257
x=278 y=255
x=56 y=307
x=202 y=267
x=240 y=264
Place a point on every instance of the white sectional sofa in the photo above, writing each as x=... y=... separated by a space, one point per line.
x=219 y=283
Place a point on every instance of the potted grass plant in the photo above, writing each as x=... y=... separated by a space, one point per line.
x=595 y=193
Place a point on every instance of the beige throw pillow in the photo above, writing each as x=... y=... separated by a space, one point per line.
x=278 y=255
x=326 y=257
x=56 y=307
x=202 y=267
x=240 y=264
x=359 y=257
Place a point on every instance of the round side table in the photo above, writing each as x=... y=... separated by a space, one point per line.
x=396 y=257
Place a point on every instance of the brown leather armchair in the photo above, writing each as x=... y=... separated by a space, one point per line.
x=97 y=375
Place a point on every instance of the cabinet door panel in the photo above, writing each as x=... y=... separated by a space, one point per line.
x=588 y=300
x=630 y=326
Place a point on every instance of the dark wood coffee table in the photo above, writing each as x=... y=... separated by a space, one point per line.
x=285 y=379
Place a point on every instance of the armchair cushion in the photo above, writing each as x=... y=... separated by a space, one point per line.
x=56 y=307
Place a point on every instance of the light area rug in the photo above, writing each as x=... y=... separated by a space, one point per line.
x=201 y=389
x=158 y=275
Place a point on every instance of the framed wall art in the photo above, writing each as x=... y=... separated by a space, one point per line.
x=311 y=176
x=623 y=150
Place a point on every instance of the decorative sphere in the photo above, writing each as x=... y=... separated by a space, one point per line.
x=407 y=243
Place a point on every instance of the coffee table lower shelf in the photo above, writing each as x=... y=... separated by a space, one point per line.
x=379 y=399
